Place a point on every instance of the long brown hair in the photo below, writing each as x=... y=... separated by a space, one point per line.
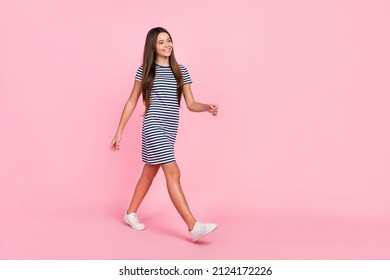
x=149 y=66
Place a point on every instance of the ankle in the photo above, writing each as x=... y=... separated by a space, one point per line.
x=129 y=211
x=191 y=225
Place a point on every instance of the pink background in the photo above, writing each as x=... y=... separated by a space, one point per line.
x=296 y=165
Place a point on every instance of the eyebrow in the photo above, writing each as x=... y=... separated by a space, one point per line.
x=161 y=40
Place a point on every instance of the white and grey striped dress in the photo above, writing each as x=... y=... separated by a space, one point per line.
x=160 y=124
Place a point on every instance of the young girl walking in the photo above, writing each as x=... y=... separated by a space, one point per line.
x=162 y=82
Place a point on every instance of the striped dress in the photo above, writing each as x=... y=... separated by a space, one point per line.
x=160 y=123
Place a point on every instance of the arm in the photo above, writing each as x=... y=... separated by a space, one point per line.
x=194 y=106
x=126 y=114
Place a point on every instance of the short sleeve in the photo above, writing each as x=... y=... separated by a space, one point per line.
x=186 y=75
x=138 y=75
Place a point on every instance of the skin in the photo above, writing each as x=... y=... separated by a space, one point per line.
x=171 y=170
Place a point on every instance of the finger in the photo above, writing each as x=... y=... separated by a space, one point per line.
x=114 y=147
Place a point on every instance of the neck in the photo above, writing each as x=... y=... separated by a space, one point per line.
x=163 y=61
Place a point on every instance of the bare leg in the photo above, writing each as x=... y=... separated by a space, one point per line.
x=172 y=176
x=142 y=187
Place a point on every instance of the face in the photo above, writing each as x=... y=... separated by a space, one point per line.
x=164 y=45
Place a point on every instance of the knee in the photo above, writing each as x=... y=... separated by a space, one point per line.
x=150 y=173
x=172 y=173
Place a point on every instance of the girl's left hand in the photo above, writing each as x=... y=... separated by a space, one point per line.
x=213 y=109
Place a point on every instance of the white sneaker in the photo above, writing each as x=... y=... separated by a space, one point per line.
x=132 y=220
x=201 y=230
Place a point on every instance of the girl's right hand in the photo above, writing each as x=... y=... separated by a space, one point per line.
x=213 y=109
x=115 y=142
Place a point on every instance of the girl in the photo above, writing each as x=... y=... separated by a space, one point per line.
x=162 y=82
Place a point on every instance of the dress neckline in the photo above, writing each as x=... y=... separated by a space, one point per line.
x=162 y=65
